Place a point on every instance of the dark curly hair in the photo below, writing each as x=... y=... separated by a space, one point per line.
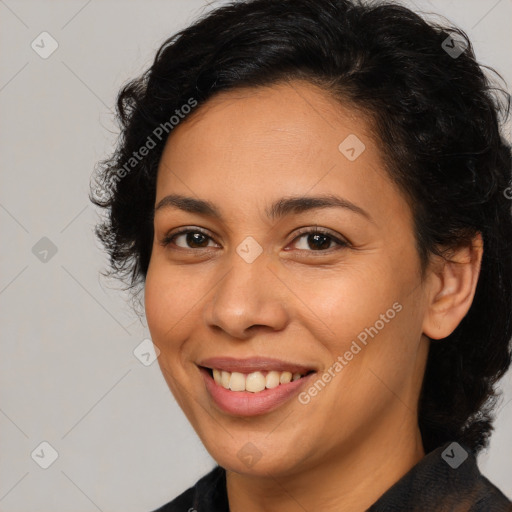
x=435 y=113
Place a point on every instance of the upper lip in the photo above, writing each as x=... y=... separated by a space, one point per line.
x=253 y=364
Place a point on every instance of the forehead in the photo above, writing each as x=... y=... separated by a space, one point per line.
x=288 y=116
x=255 y=145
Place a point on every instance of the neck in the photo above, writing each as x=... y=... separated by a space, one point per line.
x=350 y=481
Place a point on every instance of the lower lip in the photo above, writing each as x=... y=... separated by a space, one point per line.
x=245 y=403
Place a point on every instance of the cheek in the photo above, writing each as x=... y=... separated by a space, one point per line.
x=168 y=297
x=342 y=303
x=161 y=297
x=365 y=318
x=156 y=302
x=379 y=346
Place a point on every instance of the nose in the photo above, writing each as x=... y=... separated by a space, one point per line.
x=247 y=298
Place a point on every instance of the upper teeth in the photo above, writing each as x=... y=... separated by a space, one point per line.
x=253 y=382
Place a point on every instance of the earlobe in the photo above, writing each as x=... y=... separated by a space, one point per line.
x=452 y=289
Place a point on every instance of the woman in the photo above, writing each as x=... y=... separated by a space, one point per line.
x=312 y=195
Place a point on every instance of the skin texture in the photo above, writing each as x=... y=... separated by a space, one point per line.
x=243 y=150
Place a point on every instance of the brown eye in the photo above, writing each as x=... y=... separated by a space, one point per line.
x=319 y=241
x=191 y=239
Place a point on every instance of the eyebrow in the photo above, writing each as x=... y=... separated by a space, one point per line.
x=280 y=208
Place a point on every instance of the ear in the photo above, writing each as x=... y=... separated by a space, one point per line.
x=451 y=288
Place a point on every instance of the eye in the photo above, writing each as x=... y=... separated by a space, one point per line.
x=192 y=238
x=318 y=240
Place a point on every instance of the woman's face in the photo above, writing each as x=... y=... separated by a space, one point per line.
x=254 y=281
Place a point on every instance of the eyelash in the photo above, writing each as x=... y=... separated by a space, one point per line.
x=167 y=240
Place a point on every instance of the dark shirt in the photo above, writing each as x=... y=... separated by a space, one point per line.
x=445 y=480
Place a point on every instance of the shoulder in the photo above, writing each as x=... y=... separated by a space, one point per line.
x=182 y=503
x=447 y=478
x=207 y=494
x=488 y=497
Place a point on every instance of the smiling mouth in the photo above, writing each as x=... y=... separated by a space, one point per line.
x=253 y=382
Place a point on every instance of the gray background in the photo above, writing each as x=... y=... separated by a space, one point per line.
x=68 y=373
